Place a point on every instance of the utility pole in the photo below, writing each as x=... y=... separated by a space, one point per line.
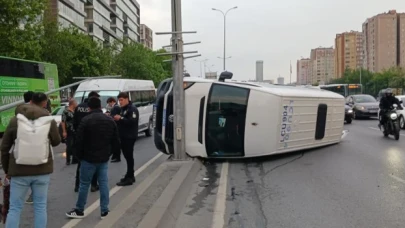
x=178 y=74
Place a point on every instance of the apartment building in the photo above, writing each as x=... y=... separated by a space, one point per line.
x=104 y=20
x=303 y=71
x=383 y=35
x=146 y=36
x=322 y=65
x=68 y=13
x=348 y=52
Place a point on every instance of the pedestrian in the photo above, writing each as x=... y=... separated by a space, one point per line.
x=96 y=137
x=28 y=160
x=27 y=100
x=127 y=122
x=68 y=131
x=114 y=109
x=81 y=111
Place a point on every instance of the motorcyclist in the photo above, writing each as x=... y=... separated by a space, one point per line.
x=386 y=104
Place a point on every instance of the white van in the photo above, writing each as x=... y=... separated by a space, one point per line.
x=142 y=93
x=238 y=119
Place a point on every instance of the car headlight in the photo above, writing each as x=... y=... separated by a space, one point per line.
x=394 y=116
x=350 y=111
x=361 y=107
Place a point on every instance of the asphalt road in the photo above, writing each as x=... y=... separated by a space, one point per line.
x=357 y=183
x=61 y=196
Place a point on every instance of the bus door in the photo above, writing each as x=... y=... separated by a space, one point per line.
x=225 y=121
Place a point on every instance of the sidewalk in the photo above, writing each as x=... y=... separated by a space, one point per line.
x=173 y=194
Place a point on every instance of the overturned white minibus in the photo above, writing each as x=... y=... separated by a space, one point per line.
x=237 y=119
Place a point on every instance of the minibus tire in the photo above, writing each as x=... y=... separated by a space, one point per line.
x=148 y=132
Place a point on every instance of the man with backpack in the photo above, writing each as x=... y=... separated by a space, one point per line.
x=81 y=111
x=27 y=157
x=96 y=139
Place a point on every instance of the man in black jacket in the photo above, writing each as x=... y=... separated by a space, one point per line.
x=81 y=111
x=96 y=137
x=127 y=122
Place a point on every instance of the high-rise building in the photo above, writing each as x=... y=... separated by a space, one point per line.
x=68 y=13
x=348 y=52
x=146 y=36
x=259 y=71
x=303 y=71
x=104 y=20
x=383 y=35
x=401 y=41
x=322 y=65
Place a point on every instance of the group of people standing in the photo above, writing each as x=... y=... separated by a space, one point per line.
x=91 y=138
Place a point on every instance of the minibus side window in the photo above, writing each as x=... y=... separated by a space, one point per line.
x=321 y=121
x=225 y=121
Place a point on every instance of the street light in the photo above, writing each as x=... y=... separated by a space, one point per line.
x=201 y=61
x=224 y=14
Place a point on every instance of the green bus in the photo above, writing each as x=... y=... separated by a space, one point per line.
x=18 y=76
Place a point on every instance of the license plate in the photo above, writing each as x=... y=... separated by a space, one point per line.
x=373 y=111
x=154 y=117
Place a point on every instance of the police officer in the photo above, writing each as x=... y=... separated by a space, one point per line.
x=81 y=111
x=386 y=104
x=127 y=122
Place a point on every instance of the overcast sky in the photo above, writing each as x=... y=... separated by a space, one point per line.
x=276 y=32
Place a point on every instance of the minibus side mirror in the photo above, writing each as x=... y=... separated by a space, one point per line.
x=225 y=75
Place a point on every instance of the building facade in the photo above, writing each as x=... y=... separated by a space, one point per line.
x=146 y=36
x=348 y=52
x=383 y=35
x=322 y=65
x=104 y=20
x=303 y=72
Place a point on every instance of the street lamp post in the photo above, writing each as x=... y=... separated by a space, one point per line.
x=224 y=14
x=202 y=61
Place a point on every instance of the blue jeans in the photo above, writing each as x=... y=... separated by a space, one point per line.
x=18 y=191
x=87 y=170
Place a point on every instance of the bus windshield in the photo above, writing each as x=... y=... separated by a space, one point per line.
x=354 y=89
x=104 y=95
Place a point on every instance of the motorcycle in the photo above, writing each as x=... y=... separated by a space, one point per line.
x=391 y=125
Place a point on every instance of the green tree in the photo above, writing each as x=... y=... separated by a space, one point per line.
x=75 y=53
x=21 y=28
x=137 y=62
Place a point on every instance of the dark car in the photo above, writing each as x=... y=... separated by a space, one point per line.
x=363 y=105
x=348 y=114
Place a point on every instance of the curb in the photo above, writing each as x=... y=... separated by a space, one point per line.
x=165 y=211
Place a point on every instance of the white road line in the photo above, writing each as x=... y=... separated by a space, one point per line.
x=218 y=220
x=374 y=128
x=114 y=190
x=398 y=179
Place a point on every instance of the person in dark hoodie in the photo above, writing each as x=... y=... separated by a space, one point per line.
x=96 y=139
x=81 y=111
x=24 y=177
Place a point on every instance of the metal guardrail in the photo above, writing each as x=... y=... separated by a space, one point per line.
x=15 y=104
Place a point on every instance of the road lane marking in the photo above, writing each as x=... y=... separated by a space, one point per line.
x=114 y=190
x=218 y=220
x=374 y=128
x=398 y=179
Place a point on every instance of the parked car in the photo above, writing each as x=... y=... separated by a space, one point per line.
x=57 y=114
x=363 y=105
x=348 y=114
